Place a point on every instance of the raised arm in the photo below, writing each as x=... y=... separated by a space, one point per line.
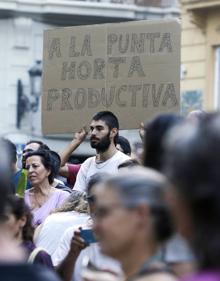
x=141 y=131
x=76 y=141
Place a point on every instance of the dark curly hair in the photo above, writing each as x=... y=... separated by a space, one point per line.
x=50 y=160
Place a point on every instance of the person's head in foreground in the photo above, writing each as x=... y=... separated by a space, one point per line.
x=132 y=218
x=155 y=132
x=192 y=165
x=18 y=219
x=10 y=252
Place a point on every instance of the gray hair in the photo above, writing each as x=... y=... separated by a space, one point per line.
x=145 y=186
x=138 y=186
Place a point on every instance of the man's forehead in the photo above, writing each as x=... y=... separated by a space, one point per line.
x=33 y=146
x=98 y=123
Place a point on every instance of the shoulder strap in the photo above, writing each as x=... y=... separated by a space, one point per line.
x=34 y=253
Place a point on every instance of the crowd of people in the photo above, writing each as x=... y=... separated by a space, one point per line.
x=116 y=216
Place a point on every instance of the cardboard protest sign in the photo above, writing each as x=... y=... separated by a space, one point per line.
x=131 y=69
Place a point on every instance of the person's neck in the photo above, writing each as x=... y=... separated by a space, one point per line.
x=19 y=238
x=133 y=261
x=10 y=251
x=44 y=188
x=104 y=156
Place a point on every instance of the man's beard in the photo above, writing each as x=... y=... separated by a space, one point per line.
x=103 y=144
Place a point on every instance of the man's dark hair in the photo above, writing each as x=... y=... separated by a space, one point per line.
x=41 y=144
x=110 y=119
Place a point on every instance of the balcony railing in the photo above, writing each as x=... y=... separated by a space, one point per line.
x=148 y=3
x=200 y=4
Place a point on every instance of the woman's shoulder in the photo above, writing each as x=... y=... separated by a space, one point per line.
x=60 y=194
x=59 y=191
x=29 y=191
x=43 y=258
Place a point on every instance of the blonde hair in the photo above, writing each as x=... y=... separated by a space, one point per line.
x=75 y=202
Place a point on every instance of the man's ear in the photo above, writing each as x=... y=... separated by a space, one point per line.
x=114 y=132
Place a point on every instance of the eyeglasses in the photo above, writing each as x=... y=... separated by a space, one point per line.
x=104 y=211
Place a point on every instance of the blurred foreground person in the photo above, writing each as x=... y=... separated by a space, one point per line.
x=12 y=267
x=196 y=115
x=12 y=156
x=131 y=222
x=155 y=131
x=10 y=252
x=75 y=255
x=176 y=252
x=18 y=221
x=192 y=165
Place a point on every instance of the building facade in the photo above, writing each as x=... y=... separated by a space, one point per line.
x=200 y=85
x=22 y=23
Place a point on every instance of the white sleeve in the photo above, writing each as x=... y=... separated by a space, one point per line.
x=80 y=183
x=63 y=247
x=77 y=273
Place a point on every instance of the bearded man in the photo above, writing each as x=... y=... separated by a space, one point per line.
x=104 y=129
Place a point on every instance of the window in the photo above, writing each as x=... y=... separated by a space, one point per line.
x=217 y=79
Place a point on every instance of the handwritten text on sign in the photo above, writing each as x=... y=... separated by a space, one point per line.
x=104 y=68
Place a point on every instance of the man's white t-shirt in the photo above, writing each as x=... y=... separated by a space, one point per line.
x=90 y=167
